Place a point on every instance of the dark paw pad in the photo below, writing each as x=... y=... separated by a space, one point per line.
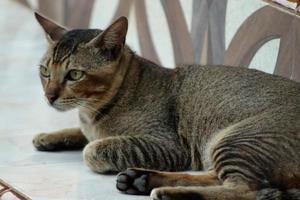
x=133 y=181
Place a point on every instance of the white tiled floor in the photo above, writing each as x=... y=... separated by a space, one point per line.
x=23 y=113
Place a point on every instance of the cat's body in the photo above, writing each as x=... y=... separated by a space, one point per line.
x=241 y=126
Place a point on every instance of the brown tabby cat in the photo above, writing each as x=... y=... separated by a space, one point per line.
x=241 y=127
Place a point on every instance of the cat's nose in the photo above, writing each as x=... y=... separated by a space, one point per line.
x=51 y=98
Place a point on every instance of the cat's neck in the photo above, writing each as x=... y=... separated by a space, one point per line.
x=135 y=72
x=108 y=99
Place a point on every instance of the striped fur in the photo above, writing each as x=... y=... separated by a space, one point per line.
x=240 y=124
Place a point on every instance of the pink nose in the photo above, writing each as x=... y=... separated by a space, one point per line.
x=51 y=98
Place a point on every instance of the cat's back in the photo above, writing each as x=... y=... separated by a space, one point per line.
x=222 y=95
x=205 y=78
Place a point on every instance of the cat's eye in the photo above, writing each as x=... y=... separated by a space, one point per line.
x=45 y=72
x=75 y=75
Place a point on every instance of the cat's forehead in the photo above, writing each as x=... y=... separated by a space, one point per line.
x=69 y=43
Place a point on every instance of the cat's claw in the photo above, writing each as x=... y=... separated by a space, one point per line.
x=133 y=181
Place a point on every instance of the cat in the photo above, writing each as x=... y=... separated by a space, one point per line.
x=240 y=126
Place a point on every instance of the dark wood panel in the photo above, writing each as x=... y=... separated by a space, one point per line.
x=78 y=13
x=262 y=26
x=181 y=40
x=216 y=32
x=288 y=57
x=199 y=28
x=296 y=63
x=208 y=27
x=143 y=29
x=23 y=3
x=53 y=10
x=285 y=55
x=122 y=9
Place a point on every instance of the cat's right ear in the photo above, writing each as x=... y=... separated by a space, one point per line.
x=54 y=32
x=111 y=40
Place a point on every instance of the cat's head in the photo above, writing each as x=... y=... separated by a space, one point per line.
x=81 y=68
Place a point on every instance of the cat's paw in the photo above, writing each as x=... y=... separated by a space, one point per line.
x=134 y=181
x=44 y=142
x=174 y=193
x=158 y=194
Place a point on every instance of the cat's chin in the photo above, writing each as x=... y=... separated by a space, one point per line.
x=61 y=108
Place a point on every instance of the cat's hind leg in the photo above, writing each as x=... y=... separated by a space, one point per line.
x=229 y=190
x=142 y=181
x=66 y=139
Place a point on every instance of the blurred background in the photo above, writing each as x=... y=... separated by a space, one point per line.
x=255 y=34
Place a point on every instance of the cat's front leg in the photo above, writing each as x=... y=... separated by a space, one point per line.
x=66 y=139
x=115 y=154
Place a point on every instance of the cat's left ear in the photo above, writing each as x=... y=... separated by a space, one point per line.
x=54 y=32
x=111 y=40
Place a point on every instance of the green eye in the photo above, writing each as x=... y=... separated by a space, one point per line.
x=45 y=72
x=75 y=75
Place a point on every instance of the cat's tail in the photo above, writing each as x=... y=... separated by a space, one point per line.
x=277 y=194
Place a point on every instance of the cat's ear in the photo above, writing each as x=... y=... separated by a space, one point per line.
x=112 y=39
x=54 y=32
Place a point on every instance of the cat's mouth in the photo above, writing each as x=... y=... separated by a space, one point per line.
x=64 y=105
